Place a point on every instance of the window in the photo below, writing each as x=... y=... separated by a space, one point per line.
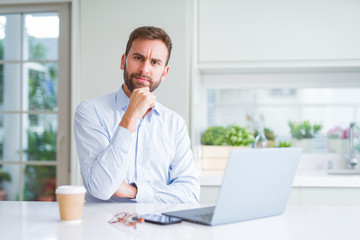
x=274 y=108
x=326 y=96
x=34 y=100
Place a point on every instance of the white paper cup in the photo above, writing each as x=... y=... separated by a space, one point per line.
x=71 y=202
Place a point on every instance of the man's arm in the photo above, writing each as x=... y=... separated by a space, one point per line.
x=141 y=101
x=103 y=160
x=183 y=185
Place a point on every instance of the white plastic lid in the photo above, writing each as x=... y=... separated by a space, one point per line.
x=70 y=189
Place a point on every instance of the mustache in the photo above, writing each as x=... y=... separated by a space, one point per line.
x=139 y=75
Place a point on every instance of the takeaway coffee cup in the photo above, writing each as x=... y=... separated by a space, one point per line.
x=71 y=202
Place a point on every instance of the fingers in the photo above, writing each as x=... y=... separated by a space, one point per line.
x=140 y=101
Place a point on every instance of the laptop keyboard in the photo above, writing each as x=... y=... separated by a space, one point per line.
x=204 y=217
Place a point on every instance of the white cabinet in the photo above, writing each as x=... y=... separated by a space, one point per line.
x=259 y=30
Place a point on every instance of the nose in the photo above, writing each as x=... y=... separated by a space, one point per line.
x=145 y=68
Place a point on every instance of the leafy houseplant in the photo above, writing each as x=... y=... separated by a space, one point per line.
x=239 y=136
x=337 y=141
x=227 y=136
x=214 y=136
x=302 y=134
x=304 y=129
x=219 y=141
x=4 y=177
x=283 y=144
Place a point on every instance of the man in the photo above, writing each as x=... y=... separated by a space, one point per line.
x=131 y=148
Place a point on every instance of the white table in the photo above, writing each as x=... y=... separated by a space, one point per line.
x=40 y=220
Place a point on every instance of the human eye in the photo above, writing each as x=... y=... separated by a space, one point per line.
x=156 y=62
x=138 y=58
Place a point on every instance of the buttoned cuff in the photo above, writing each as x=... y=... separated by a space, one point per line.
x=144 y=193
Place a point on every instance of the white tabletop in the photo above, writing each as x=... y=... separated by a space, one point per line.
x=40 y=220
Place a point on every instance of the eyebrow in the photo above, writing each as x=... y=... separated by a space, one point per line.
x=153 y=59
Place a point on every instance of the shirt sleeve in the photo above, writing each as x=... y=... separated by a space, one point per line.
x=183 y=185
x=102 y=160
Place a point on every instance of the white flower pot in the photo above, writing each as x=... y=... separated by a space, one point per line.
x=338 y=145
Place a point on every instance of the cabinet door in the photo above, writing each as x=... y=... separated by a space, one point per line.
x=231 y=31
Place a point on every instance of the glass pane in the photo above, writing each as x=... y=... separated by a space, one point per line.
x=10 y=87
x=41 y=137
x=39 y=183
x=329 y=117
x=10 y=37
x=9 y=182
x=10 y=137
x=329 y=96
x=41 y=34
x=332 y=108
x=42 y=86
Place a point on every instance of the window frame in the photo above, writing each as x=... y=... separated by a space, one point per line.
x=63 y=141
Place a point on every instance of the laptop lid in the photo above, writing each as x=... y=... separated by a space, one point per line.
x=256 y=183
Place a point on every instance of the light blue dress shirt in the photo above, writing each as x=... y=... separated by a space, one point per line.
x=157 y=156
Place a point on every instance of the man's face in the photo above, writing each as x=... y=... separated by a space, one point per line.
x=144 y=66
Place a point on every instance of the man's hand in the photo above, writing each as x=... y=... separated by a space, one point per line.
x=126 y=190
x=141 y=101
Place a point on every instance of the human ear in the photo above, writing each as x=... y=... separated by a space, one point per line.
x=123 y=61
x=164 y=74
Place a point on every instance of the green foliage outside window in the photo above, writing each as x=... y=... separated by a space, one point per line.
x=1 y=72
x=4 y=177
x=40 y=180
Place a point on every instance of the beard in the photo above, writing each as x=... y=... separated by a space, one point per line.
x=131 y=84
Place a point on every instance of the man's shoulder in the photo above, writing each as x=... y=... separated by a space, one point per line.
x=168 y=113
x=105 y=101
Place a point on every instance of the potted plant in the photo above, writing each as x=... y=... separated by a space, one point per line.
x=4 y=177
x=338 y=140
x=218 y=141
x=302 y=134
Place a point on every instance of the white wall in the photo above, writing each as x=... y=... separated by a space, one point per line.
x=104 y=30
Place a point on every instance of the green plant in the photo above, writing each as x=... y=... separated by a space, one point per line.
x=284 y=144
x=304 y=129
x=214 y=136
x=40 y=180
x=269 y=134
x=4 y=177
x=239 y=136
x=42 y=146
x=227 y=136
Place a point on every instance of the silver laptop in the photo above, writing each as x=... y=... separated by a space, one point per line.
x=256 y=184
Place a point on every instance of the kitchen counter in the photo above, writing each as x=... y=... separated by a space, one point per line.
x=40 y=220
x=303 y=178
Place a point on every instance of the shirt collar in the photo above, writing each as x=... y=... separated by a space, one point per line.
x=122 y=102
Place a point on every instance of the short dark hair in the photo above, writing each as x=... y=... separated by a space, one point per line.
x=150 y=33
